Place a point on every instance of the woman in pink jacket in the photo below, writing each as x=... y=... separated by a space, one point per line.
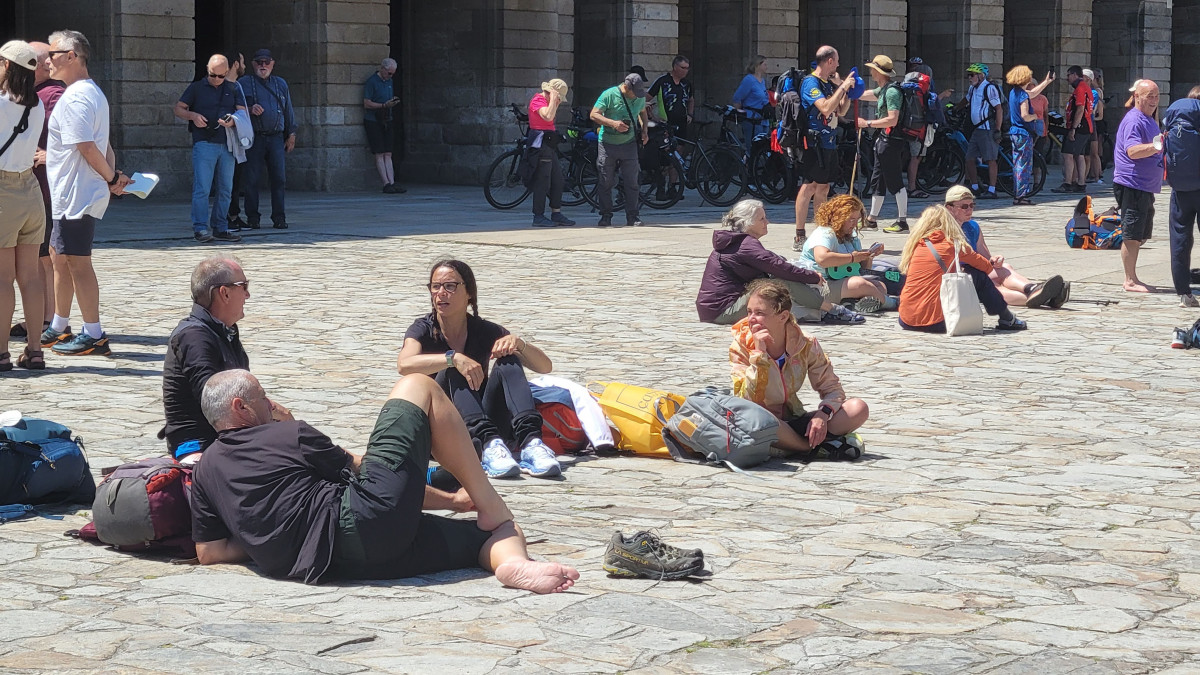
x=771 y=357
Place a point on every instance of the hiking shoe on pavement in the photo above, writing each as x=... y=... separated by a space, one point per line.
x=281 y=225
x=538 y=460
x=236 y=223
x=838 y=448
x=542 y=221
x=1063 y=189
x=1013 y=324
x=498 y=462
x=226 y=236
x=1063 y=296
x=987 y=194
x=839 y=314
x=561 y=220
x=898 y=227
x=1188 y=300
x=1044 y=292
x=51 y=337
x=203 y=236
x=870 y=224
x=798 y=240
x=645 y=555
x=252 y=225
x=82 y=345
x=867 y=305
x=605 y=221
x=636 y=222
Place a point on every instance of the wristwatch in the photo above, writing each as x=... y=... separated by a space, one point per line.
x=450 y=359
x=827 y=409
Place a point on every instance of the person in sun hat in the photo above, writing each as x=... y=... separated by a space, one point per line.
x=542 y=143
x=887 y=176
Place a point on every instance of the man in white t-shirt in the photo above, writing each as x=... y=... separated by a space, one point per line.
x=81 y=168
x=987 y=115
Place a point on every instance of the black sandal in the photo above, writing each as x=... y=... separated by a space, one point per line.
x=32 y=360
x=5 y=362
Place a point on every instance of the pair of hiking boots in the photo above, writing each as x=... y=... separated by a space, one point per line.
x=646 y=555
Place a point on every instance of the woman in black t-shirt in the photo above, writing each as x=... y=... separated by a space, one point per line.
x=455 y=347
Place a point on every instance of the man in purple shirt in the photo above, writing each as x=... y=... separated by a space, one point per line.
x=1137 y=176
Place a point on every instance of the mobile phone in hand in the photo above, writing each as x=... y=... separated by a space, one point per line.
x=876 y=248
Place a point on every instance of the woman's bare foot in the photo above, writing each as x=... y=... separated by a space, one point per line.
x=1137 y=287
x=536 y=576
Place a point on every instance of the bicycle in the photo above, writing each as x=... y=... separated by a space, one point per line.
x=716 y=172
x=958 y=124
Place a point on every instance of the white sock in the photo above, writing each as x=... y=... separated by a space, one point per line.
x=902 y=204
x=59 y=323
x=876 y=205
x=92 y=330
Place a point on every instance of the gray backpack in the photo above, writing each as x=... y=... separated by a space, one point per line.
x=714 y=426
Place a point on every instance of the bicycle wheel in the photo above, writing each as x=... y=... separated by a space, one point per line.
x=662 y=188
x=503 y=187
x=769 y=175
x=573 y=185
x=590 y=178
x=720 y=176
x=1039 y=173
x=939 y=171
x=1004 y=173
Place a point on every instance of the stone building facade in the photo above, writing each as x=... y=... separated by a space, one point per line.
x=463 y=61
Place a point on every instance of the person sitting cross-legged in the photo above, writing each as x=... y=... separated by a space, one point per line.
x=770 y=358
x=1016 y=289
x=835 y=250
x=330 y=514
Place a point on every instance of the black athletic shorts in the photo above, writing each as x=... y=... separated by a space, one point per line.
x=73 y=237
x=1079 y=146
x=381 y=137
x=819 y=165
x=1137 y=212
x=382 y=532
x=800 y=424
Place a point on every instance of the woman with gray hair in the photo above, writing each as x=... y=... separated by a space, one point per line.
x=739 y=257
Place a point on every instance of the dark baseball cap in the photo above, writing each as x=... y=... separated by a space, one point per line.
x=263 y=54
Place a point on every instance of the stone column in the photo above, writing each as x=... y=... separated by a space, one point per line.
x=654 y=34
x=859 y=30
x=950 y=35
x=1132 y=40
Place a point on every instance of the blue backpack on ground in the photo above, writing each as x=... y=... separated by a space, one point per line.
x=1088 y=230
x=42 y=463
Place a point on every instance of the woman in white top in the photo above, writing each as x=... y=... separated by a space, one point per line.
x=24 y=219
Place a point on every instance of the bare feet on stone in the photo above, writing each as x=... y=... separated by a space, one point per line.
x=1137 y=287
x=537 y=576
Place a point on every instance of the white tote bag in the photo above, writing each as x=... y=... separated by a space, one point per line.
x=960 y=303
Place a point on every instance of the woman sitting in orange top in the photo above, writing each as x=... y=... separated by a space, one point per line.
x=770 y=358
x=920 y=300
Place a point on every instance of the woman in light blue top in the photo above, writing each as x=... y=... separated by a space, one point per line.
x=751 y=97
x=834 y=250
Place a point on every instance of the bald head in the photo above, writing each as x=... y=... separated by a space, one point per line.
x=827 y=60
x=1145 y=96
x=43 y=68
x=218 y=60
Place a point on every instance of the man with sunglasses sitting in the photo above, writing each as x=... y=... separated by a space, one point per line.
x=203 y=344
x=208 y=105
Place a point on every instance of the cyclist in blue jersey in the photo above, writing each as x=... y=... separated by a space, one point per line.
x=825 y=96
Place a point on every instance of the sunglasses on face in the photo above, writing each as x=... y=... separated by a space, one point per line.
x=968 y=206
x=263 y=62
x=219 y=77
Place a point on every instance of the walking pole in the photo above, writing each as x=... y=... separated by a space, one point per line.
x=857 y=145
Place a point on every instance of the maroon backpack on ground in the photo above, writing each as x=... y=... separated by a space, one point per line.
x=144 y=506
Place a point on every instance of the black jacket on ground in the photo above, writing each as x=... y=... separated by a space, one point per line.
x=200 y=346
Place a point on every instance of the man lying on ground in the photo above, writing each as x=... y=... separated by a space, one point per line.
x=283 y=495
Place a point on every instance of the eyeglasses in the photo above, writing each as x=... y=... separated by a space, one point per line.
x=968 y=206
x=56 y=52
x=449 y=286
x=219 y=77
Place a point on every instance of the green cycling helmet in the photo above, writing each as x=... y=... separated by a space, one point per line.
x=978 y=68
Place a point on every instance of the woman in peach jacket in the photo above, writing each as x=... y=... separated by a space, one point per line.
x=770 y=358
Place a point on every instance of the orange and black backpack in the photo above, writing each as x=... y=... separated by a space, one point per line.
x=1089 y=230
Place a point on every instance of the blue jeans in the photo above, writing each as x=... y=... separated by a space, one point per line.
x=211 y=161
x=268 y=151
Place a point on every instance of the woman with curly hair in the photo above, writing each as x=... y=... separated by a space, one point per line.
x=1024 y=127
x=835 y=251
x=928 y=254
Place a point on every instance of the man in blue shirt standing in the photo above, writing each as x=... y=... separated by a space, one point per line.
x=825 y=97
x=379 y=98
x=208 y=105
x=274 y=122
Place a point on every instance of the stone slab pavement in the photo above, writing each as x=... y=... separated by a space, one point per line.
x=1028 y=503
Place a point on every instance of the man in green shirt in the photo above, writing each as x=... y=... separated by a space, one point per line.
x=887 y=173
x=621 y=113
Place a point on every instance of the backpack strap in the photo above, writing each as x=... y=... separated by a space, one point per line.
x=21 y=128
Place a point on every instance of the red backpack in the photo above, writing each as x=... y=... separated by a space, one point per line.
x=561 y=429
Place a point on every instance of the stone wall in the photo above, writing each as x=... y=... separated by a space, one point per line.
x=1185 y=46
x=1044 y=35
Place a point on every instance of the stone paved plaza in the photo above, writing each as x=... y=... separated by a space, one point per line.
x=1029 y=502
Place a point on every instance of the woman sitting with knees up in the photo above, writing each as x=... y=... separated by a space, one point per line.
x=835 y=250
x=1016 y=289
x=455 y=347
x=920 y=301
x=771 y=357
x=739 y=257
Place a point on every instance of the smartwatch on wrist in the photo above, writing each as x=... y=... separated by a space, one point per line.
x=827 y=409
x=450 y=359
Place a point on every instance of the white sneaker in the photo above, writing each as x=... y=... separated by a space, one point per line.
x=498 y=461
x=1188 y=300
x=537 y=459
